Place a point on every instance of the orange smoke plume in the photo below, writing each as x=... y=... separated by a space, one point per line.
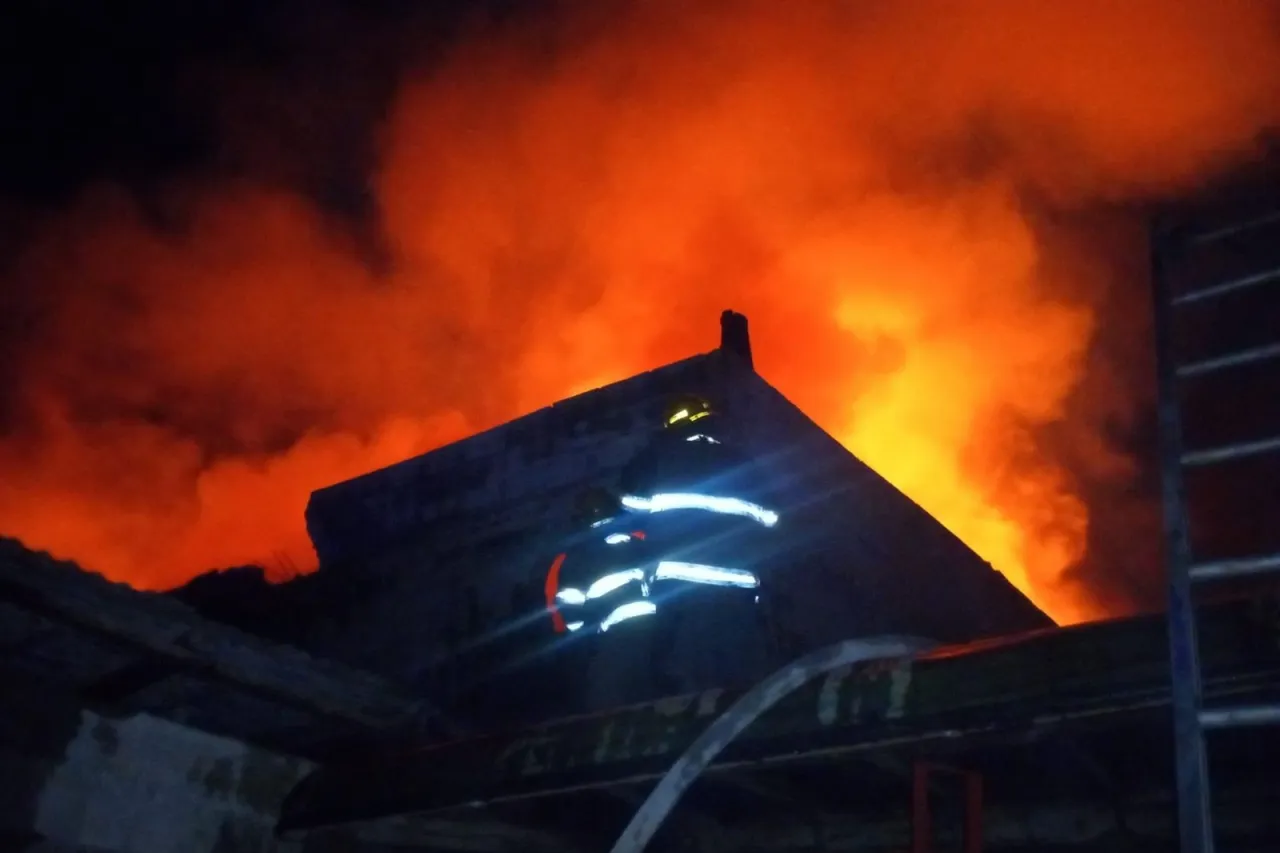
x=878 y=185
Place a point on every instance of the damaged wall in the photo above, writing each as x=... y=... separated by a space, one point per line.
x=76 y=780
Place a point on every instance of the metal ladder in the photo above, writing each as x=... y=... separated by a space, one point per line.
x=1185 y=571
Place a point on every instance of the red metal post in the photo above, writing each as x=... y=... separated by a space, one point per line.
x=972 y=813
x=921 y=819
x=921 y=831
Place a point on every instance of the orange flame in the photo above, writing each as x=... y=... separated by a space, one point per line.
x=574 y=202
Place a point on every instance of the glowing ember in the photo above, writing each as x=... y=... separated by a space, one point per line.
x=853 y=176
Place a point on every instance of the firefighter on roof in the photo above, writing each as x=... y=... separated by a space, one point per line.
x=687 y=454
x=711 y=538
x=664 y=580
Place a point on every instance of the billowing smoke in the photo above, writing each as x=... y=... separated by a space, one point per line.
x=896 y=193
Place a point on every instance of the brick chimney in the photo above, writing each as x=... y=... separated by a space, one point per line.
x=734 y=337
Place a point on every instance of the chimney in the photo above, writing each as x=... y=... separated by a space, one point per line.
x=734 y=337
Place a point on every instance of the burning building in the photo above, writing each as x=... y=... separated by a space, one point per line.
x=436 y=568
x=897 y=190
x=134 y=724
x=1054 y=740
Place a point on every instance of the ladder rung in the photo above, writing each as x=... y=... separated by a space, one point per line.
x=1227 y=286
x=1235 y=568
x=1236 y=228
x=1230 y=451
x=1235 y=359
x=1244 y=715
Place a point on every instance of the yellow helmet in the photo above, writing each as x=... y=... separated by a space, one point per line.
x=685 y=409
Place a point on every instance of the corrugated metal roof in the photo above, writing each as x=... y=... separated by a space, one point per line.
x=123 y=651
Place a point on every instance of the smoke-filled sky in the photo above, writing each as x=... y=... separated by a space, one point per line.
x=250 y=249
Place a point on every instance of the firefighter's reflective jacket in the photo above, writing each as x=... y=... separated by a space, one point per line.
x=709 y=539
x=681 y=537
x=600 y=577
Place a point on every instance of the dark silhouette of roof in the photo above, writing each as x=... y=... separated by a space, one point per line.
x=447 y=552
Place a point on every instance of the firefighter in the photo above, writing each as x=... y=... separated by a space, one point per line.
x=663 y=582
x=687 y=451
x=709 y=544
x=597 y=592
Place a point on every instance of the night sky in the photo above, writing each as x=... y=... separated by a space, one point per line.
x=144 y=91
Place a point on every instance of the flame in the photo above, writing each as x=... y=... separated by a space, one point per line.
x=573 y=200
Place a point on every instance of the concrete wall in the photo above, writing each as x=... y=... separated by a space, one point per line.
x=74 y=780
